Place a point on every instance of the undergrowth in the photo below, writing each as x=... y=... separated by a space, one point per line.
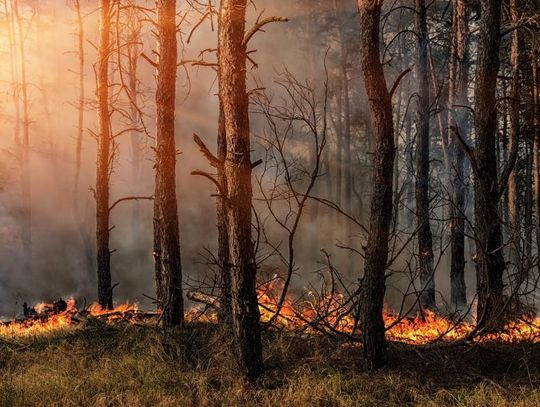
x=141 y=366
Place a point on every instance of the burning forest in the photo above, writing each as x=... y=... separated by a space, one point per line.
x=313 y=202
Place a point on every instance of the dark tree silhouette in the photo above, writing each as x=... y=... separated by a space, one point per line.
x=168 y=265
x=380 y=101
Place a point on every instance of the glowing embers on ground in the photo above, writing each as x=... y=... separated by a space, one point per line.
x=311 y=315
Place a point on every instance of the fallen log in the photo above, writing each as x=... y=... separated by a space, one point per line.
x=203 y=298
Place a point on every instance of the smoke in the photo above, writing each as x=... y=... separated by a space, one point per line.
x=63 y=242
x=59 y=266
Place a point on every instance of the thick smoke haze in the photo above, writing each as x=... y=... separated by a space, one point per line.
x=60 y=259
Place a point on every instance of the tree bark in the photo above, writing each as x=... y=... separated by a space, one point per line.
x=376 y=254
x=536 y=140
x=237 y=169
x=168 y=264
x=457 y=94
x=513 y=195
x=225 y=310
x=490 y=263
x=103 y=160
x=409 y=185
x=425 y=245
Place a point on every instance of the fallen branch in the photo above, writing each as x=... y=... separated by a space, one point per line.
x=203 y=298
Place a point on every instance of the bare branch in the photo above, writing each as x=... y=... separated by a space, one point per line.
x=131 y=198
x=259 y=25
x=212 y=159
x=155 y=65
x=398 y=81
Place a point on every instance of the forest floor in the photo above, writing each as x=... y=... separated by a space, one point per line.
x=102 y=365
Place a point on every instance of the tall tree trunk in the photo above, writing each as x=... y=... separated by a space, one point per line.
x=376 y=254
x=528 y=209
x=409 y=187
x=339 y=147
x=425 y=246
x=233 y=96
x=80 y=106
x=397 y=125
x=347 y=161
x=26 y=206
x=168 y=265
x=85 y=234
x=513 y=194
x=133 y=53
x=490 y=263
x=536 y=139
x=10 y=22
x=457 y=94
x=103 y=159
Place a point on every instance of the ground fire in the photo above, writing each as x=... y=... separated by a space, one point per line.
x=311 y=318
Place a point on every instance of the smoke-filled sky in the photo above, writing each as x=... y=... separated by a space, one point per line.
x=62 y=240
x=59 y=265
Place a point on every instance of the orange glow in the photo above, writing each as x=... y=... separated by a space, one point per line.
x=43 y=323
x=306 y=316
x=327 y=315
x=47 y=322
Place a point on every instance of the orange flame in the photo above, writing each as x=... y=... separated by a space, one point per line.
x=331 y=315
x=313 y=316
x=46 y=321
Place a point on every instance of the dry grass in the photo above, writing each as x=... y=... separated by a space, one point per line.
x=140 y=366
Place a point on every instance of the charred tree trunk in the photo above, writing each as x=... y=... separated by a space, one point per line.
x=528 y=209
x=103 y=159
x=490 y=263
x=225 y=311
x=168 y=265
x=376 y=254
x=237 y=170
x=425 y=245
x=457 y=93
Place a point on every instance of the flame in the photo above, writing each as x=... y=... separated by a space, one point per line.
x=47 y=321
x=333 y=314
x=120 y=312
x=312 y=315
